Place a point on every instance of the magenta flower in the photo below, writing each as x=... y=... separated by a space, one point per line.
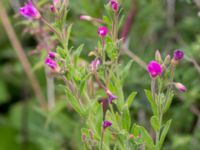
x=111 y=96
x=29 y=11
x=52 y=55
x=51 y=63
x=178 y=55
x=94 y=64
x=154 y=68
x=180 y=87
x=107 y=124
x=114 y=5
x=102 y=31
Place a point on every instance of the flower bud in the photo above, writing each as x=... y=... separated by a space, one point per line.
x=83 y=137
x=131 y=136
x=52 y=55
x=91 y=133
x=95 y=63
x=52 y=64
x=52 y=8
x=180 y=87
x=107 y=124
x=114 y=5
x=85 y=17
x=111 y=96
x=178 y=55
x=167 y=60
x=158 y=56
x=102 y=31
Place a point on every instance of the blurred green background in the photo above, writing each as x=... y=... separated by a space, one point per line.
x=157 y=24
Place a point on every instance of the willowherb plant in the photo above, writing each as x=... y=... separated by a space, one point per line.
x=95 y=90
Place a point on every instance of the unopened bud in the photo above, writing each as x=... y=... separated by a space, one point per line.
x=167 y=60
x=158 y=57
x=131 y=136
x=52 y=8
x=90 y=133
x=87 y=18
x=180 y=87
x=83 y=137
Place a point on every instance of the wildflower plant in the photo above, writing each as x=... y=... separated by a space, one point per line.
x=95 y=90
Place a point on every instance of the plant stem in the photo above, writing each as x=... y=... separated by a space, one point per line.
x=153 y=89
x=52 y=29
x=158 y=132
x=101 y=141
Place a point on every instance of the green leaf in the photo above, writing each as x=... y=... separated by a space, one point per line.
x=63 y=54
x=111 y=49
x=155 y=123
x=106 y=20
x=74 y=102
x=164 y=132
x=131 y=98
x=151 y=101
x=77 y=54
x=84 y=83
x=149 y=144
x=168 y=101
x=69 y=29
x=135 y=130
x=126 y=121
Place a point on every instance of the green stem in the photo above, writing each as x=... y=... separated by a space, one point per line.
x=153 y=90
x=158 y=132
x=101 y=141
x=52 y=28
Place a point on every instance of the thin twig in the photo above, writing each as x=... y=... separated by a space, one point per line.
x=171 y=4
x=196 y=65
x=20 y=53
x=136 y=58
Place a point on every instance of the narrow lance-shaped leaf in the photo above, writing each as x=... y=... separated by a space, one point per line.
x=155 y=123
x=151 y=101
x=149 y=144
x=77 y=54
x=74 y=102
x=126 y=121
x=164 y=132
x=168 y=101
x=131 y=98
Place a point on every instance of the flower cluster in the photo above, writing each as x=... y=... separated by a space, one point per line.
x=155 y=69
x=50 y=61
